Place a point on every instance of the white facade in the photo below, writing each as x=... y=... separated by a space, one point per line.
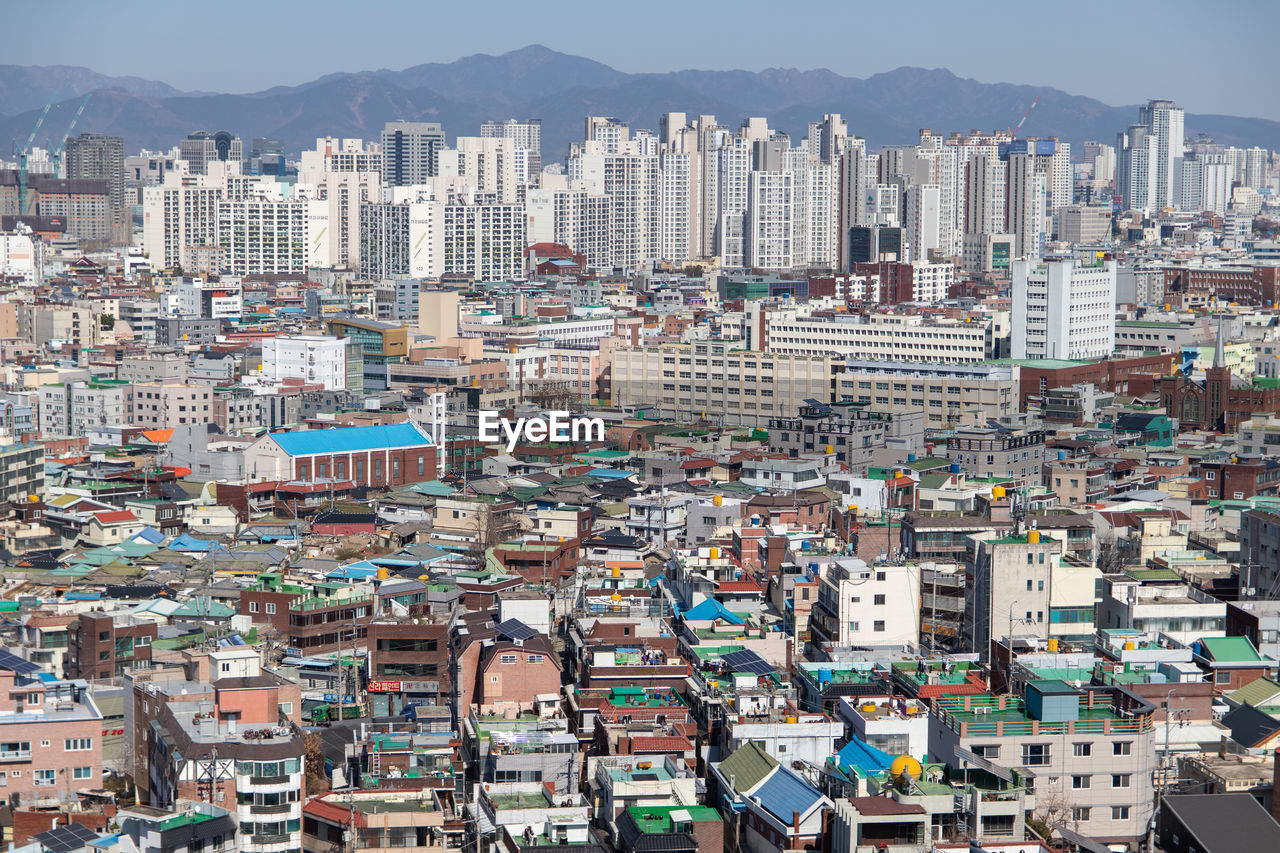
x=484 y=240
x=1164 y=120
x=1026 y=203
x=269 y=237
x=890 y=337
x=1063 y=309
x=770 y=220
x=317 y=359
x=923 y=219
x=402 y=239
x=872 y=605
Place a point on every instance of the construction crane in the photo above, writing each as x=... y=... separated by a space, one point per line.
x=22 y=155
x=57 y=152
x=1018 y=126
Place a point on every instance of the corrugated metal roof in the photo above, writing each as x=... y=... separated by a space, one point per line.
x=350 y=439
x=747 y=765
x=784 y=794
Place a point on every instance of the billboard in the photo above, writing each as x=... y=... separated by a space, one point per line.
x=1000 y=255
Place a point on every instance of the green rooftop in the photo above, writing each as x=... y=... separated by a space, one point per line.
x=1231 y=650
x=667 y=819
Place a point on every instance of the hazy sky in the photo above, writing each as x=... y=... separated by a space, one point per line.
x=1209 y=56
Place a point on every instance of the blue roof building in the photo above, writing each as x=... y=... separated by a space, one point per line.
x=379 y=456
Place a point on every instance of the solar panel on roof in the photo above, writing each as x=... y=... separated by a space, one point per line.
x=748 y=661
x=514 y=629
x=13 y=663
x=63 y=839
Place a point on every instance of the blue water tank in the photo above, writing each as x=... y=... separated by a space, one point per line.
x=804 y=544
x=955 y=467
x=911 y=457
x=1062 y=454
x=824 y=677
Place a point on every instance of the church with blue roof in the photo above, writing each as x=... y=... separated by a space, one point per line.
x=378 y=456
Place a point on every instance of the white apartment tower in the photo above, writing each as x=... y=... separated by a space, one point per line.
x=525 y=134
x=1026 y=200
x=770 y=220
x=1063 y=308
x=1164 y=120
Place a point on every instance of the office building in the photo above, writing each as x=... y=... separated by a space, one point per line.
x=726 y=383
x=410 y=152
x=202 y=148
x=1064 y=308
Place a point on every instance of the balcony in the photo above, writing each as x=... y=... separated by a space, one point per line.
x=268 y=780
x=270 y=839
x=280 y=808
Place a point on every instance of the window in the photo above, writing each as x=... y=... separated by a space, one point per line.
x=286 y=707
x=1082 y=750
x=1222 y=676
x=44 y=777
x=253 y=607
x=536 y=659
x=1122 y=747
x=507 y=659
x=82 y=773
x=1028 y=585
x=991 y=750
x=1120 y=780
x=1035 y=754
x=44 y=744
x=1080 y=813
x=877 y=625
x=1119 y=812
x=271 y=607
x=1079 y=782
x=879 y=599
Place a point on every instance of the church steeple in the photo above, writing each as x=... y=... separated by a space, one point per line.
x=1219 y=350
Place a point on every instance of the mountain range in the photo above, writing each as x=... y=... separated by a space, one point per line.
x=561 y=89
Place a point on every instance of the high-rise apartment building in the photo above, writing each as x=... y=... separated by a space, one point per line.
x=525 y=134
x=1164 y=120
x=98 y=157
x=770 y=220
x=410 y=152
x=402 y=239
x=1063 y=308
x=1136 y=157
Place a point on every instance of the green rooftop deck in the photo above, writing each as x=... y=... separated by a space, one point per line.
x=658 y=820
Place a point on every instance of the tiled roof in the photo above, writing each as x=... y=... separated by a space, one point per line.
x=660 y=743
x=115 y=517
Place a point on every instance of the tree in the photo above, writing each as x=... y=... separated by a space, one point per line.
x=317 y=779
x=107 y=322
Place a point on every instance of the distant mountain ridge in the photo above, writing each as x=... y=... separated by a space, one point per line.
x=535 y=82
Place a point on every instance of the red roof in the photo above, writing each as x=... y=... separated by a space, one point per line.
x=115 y=517
x=334 y=813
x=739 y=586
x=660 y=743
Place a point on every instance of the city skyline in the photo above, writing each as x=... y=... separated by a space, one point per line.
x=1023 y=57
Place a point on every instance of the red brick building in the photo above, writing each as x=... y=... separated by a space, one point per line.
x=1113 y=374
x=1248 y=285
